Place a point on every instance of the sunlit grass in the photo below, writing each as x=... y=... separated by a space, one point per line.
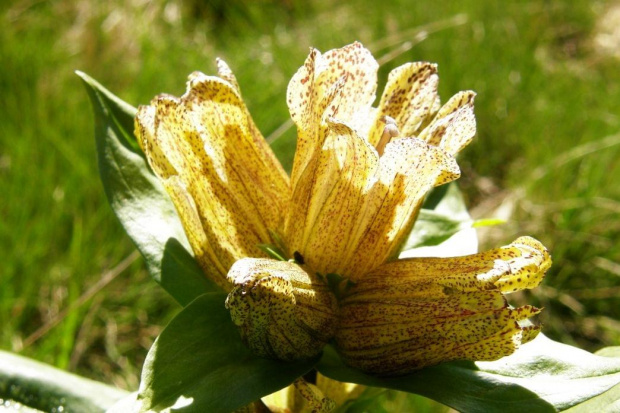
x=543 y=90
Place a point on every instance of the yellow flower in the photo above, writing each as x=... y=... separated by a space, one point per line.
x=413 y=313
x=359 y=177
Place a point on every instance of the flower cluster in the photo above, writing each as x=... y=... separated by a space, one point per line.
x=359 y=177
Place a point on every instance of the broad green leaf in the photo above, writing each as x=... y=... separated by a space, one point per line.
x=443 y=227
x=125 y=405
x=542 y=376
x=434 y=227
x=139 y=200
x=199 y=364
x=613 y=351
x=378 y=400
x=369 y=400
x=607 y=402
x=45 y=388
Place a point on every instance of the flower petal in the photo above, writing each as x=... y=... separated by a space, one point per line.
x=408 y=169
x=519 y=265
x=327 y=200
x=314 y=399
x=224 y=72
x=455 y=124
x=218 y=168
x=417 y=312
x=527 y=267
x=471 y=344
x=408 y=98
x=208 y=253
x=341 y=83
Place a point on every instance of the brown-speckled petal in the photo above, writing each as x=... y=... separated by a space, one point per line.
x=339 y=84
x=409 y=98
x=220 y=172
x=417 y=312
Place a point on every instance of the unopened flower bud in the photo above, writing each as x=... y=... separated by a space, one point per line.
x=281 y=311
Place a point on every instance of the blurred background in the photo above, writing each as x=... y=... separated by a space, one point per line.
x=74 y=293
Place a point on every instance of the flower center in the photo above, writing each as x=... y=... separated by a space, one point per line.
x=339 y=285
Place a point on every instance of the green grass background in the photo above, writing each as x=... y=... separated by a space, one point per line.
x=548 y=111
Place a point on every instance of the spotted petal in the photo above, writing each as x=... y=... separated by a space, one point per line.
x=417 y=312
x=341 y=83
x=408 y=169
x=409 y=98
x=454 y=126
x=225 y=182
x=329 y=197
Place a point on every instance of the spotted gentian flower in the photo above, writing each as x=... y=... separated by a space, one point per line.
x=313 y=257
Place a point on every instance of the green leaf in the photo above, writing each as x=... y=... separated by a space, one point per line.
x=378 y=400
x=199 y=364
x=433 y=228
x=608 y=401
x=126 y=404
x=542 y=376
x=443 y=226
x=613 y=351
x=139 y=200
x=45 y=388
